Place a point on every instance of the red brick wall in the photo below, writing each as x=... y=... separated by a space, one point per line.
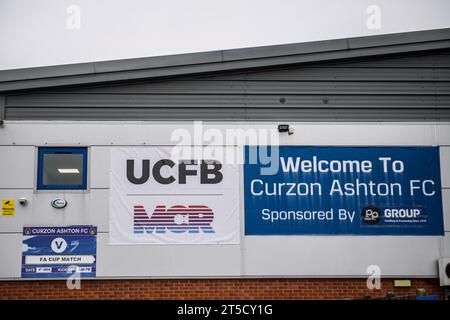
x=211 y=289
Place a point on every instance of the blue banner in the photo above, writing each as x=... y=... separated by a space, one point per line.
x=342 y=191
x=59 y=252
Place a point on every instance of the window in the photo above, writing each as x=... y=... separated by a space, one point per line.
x=61 y=168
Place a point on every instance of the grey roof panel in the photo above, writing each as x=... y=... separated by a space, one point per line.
x=158 y=62
x=46 y=72
x=285 y=50
x=216 y=61
x=399 y=38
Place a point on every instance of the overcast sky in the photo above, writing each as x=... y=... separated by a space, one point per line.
x=50 y=32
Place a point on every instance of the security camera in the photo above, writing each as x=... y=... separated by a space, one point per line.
x=23 y=201
x=291 y=130
x=285 y=128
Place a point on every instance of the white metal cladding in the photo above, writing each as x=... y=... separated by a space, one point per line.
x=290 y=256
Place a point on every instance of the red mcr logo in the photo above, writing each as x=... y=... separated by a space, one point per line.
x=177 y=219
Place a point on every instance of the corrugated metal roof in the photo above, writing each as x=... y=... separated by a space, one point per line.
x=223 y=60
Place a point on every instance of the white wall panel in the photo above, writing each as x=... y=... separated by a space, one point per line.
x=360 y=134
x=23 y=213
x=445 y=245
x=156 y=133
x=443 y=134
x=90 y=207
x=446 y=208
x=282 y=256
x=445 y=166
x=10 y=255
x=340 y=255
x=256 y=256
x=164 y=260
x=99 y=166
x=16 y=166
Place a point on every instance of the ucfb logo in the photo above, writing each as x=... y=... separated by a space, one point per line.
x=176 y=219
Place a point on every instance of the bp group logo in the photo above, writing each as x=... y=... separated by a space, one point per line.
x=371 y=215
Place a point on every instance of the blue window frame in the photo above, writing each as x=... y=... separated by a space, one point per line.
x=62 y=168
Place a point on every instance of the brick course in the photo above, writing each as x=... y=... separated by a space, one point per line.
x=211 y=289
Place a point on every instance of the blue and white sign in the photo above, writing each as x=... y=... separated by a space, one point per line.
x=59 y=252
x=343 y=191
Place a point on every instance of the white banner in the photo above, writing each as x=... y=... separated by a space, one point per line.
x=59 y=259
x=156 y=198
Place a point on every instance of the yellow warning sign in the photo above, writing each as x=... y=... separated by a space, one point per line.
x=8 y=207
